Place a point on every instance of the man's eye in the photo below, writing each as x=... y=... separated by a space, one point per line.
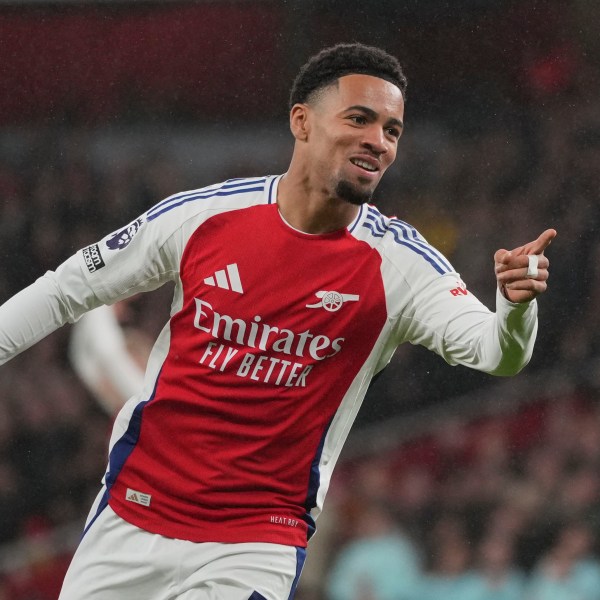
x=393 y=132
x=358 y=119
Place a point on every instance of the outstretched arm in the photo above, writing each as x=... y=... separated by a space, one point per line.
x=54 y=299
x=102 y=273
x=452 y=322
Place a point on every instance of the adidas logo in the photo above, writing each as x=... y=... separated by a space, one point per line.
x=228 y=279
x=138 y=497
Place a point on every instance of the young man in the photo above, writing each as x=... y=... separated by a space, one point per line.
x=291 y=293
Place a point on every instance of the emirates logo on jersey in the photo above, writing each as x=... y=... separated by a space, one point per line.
x=332 y=301
x=281 y=357
x=260 y=335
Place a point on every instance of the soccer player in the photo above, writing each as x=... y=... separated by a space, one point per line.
x=291 y=293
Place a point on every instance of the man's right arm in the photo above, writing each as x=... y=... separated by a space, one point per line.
x=54 y=299
x=139 y=257
x=126 y=262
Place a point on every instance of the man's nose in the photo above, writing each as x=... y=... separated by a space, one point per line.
x=374 y=139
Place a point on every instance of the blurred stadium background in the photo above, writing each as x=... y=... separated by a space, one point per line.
x=454 y=485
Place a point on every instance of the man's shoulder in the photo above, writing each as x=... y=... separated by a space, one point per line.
x=230 y=193
x=400 y=242
x=377 y=226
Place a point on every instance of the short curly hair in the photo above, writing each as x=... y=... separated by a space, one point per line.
x=332 y=63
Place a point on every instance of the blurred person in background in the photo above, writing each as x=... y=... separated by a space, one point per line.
x=109 y=359
x=569 y=569
x=495 y=575
x=448 y=554
x=217 y=449
x=380 y=563
x=43 y=567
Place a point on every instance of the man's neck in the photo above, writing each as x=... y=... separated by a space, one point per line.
x=312 y=210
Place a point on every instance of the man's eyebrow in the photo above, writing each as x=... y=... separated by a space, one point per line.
x=373 y=115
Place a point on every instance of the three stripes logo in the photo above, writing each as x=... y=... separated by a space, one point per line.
x=227 y=279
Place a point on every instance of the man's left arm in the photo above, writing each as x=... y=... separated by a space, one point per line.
x=456 y=325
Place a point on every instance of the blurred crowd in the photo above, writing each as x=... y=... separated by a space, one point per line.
x=503 y=508
x=476 y=513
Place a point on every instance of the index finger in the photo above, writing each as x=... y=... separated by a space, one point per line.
x=542 y=242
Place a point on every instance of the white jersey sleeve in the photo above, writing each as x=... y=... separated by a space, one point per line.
x=429 y=304
x=32 y=314
x=456 y=325
x=137 y=258
x=134 y=259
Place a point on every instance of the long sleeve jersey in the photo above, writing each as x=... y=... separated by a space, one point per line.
x=273 y=339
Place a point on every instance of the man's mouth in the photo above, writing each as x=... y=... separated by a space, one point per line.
x=364 y=164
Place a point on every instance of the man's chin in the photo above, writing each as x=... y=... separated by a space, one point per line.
x=353 y=194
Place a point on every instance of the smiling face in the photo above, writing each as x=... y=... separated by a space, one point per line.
x=352 y=132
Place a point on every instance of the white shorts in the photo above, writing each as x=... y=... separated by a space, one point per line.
x=116 y=560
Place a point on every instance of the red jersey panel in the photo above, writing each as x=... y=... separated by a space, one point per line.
x=274 y=327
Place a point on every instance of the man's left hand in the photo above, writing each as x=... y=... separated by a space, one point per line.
x=521 y=278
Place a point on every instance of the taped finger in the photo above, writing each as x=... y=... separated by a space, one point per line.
x=532 y=267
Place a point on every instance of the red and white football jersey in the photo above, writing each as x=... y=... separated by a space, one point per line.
x=274 y=337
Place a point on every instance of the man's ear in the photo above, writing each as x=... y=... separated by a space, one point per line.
x=300 y=122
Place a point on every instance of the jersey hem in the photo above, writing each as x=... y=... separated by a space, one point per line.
x=238 y=533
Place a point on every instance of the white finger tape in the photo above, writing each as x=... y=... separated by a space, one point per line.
x=532 y=267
